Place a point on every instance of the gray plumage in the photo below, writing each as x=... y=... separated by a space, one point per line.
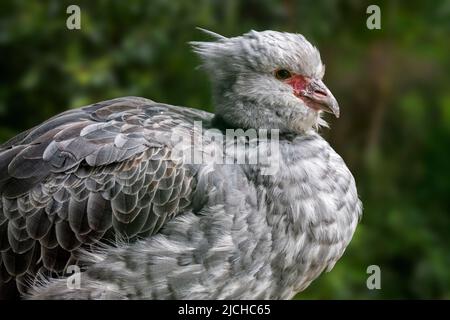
x=101 y=187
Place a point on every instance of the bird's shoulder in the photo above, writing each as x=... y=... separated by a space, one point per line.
x=100 y=134
x=103 y=170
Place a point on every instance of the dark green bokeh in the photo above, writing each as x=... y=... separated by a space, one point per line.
x=392 y=84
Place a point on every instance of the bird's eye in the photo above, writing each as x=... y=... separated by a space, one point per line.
x=282 y=74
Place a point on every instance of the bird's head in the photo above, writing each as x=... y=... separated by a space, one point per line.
x=268 y=79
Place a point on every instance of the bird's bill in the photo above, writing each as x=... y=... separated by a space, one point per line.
x=315 y=94
x=321 y=96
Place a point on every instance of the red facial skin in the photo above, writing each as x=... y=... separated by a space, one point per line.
x=299 y=84
x=313 y=92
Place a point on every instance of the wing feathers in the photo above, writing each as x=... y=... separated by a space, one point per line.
x=99 y=212
x=78 y=220
x=88 y=173
x=38 y=224
x=66 y=236
x=17 y=264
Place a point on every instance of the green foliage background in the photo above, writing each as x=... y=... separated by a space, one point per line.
x=392 y=85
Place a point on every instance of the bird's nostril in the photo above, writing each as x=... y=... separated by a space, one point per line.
x=320 y=93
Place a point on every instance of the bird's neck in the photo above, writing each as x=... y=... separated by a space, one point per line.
x=218 y=122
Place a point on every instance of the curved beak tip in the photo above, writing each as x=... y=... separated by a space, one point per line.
x=319 y=93
x=334 y=108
